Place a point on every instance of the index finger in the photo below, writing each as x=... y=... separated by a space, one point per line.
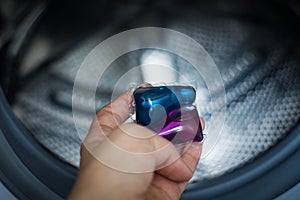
x=115 y=113
x=111 y=115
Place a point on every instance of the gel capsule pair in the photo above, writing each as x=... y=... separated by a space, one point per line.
x=169 y=111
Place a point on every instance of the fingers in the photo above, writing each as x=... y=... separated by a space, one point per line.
x=111 y=115
x=136 y=149
x=115 y=113
x=108 y=118
x=162 y=188
x=202 y=123
x=144 y=85
x=183 y=168
x=124 y=151
x=191 y=158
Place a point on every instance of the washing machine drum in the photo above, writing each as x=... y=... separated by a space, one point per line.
x=256 y=154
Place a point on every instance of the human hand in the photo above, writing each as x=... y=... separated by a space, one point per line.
x=158 y=176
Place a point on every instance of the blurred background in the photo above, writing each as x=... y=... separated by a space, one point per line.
x=255 y=46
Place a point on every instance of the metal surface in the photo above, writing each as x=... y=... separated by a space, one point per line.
x=5 y=194
x=260 y=72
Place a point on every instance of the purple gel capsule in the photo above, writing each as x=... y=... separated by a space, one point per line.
x=182 y=125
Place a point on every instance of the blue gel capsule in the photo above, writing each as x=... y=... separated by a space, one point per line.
x=150 y=100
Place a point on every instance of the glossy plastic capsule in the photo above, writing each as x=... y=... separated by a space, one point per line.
x=169 y=111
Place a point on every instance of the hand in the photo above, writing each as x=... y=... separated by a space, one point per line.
x=97 y=180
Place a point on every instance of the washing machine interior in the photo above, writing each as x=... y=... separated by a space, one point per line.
x=254 y=44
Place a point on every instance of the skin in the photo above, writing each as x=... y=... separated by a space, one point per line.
x=96 y=180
